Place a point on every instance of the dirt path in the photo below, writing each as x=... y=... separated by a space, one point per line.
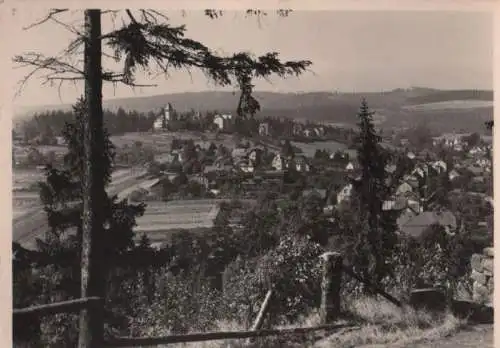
x=479 y=336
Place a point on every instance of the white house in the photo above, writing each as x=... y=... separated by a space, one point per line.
x=390 y=168
x=60 y=140
x=439 y=166
x=410 y=155
x=165 y=116
x=254 y=153
x=278 y=162
x=453 y=174
x=476 y=150
x=448 y=140
x=421 y=171
x=239 y=152
x=404 y=188
x=483 y=163
x=344 y=194
x=349 y=166
x=298 y=128
x=319 y=131
x=264 y=129
x=245 y=166
x=222 y=121
x=301 y=164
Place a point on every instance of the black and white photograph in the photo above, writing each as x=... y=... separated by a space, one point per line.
x=251 y=176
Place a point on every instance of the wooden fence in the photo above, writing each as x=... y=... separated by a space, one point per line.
x=333 y=269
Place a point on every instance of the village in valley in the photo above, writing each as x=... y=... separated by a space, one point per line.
x=183 y=174
x=315 y=190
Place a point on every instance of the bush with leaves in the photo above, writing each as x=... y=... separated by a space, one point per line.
x=181 y=302
x=436 y=259
x=292 y=270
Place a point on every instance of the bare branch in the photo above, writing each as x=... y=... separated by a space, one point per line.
x=149 y=39
x=69 y=28
x=48 y=17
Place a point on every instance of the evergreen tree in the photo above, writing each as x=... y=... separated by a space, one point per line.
x=375 y=230
x=58 y=255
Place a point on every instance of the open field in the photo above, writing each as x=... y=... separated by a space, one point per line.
x=23 y=179
x=25 y=198
x=310 y=148
x=161 y=141
x=162 y=218
x=165 y=216
x=30 y=222
x=23 y=202
x=451 y=104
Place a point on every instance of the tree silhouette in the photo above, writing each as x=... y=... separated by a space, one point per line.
x=375 y=235
x=146 y=41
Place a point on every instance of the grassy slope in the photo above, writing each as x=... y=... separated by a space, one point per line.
x=378 y=324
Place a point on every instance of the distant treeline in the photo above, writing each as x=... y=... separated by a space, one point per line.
x=441 y=96
x=48 y=124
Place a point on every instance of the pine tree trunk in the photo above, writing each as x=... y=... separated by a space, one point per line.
x=91 y=328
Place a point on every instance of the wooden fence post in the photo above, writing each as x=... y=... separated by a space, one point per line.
x=262 y=314
x=330 y=286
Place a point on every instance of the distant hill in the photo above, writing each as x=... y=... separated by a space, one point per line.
x=318 y=106
x=441 y=96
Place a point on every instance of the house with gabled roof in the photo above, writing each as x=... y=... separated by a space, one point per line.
x=418 y=224
x=345 y=193
x=166 y=115
x=223 y=121
x=439 y=166
x=301 y=164
x=453 y=174
x=404 y=188
x=278 y=162
x=264 y=129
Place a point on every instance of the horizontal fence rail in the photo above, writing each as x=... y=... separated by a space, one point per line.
x=58 y=307
x=212 y=336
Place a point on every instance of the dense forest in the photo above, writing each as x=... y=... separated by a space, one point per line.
x=49 y=124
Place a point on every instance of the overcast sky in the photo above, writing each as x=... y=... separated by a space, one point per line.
x=350 y=51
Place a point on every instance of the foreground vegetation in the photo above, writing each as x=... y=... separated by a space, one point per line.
x=218 y=279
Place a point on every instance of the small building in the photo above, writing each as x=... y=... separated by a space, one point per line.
x=200 y=179
x=223 y=121
x=321 y=193
x=404 y=188
x=264 y=129
x=60 y=141
x=298 y=129
x=390 y=168
x=166 y=115
x=278 y=163
x=439 y=166
x=344 y=194
x=421 y=171
x=254 y=153
x=453 y=174
x=417 y=225
x=239 y=152
x=245 y=166
x=301 y=164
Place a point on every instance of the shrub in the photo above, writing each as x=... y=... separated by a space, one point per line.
x=292 y=269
